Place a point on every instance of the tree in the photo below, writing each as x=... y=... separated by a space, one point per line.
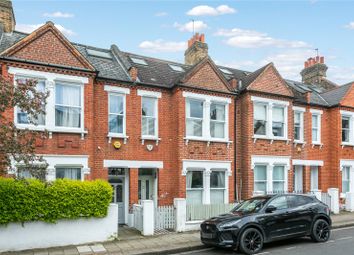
x=17 y=145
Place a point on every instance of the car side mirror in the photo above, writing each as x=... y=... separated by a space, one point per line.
x=270 y=209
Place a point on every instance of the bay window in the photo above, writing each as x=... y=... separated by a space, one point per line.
x=260 y=178
x=217 y=120
x=149 y=116
x=270 y=118
x=116 y=115
x=73 y=173
x=217 y=187
x=195 y=115
x=68 y=108
x=260 y=119
x=22 y=116
x=195 y=187
x=278 y=121
x=345 y=179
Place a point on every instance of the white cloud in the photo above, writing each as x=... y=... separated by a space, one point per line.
x=206 y=10
x=162 y=46
x=29 y=28
x=58 y=14
x=242 y=38
x=161 y=14
x=188 y=27
x=350 y=25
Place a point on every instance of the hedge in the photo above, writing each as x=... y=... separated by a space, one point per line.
x=33 y=200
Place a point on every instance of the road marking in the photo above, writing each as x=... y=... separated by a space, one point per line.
x=339 y=229
x=344 y=238
x=202 y=250
x=262 y=253
x=290 y=248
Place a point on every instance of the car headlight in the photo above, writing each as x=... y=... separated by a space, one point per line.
x=229 y=224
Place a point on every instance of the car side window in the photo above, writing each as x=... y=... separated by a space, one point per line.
x=295 y=201
x=280 y=203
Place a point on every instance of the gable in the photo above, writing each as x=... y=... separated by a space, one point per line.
x=348 y=99
x=269 y=81
x=48 y=45
x=206 y=77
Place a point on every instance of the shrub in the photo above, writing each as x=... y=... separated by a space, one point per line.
x=33 y=200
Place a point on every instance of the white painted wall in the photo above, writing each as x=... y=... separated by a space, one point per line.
x=14 y=236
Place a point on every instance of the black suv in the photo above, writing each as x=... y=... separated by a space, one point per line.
x=268 y=218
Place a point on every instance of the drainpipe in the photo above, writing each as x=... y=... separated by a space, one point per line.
x=235 y=168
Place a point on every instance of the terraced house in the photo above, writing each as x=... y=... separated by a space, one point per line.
x=158 y=130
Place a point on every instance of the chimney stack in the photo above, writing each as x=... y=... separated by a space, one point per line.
x=7 y=17
x=197 y=49
x=314 y=71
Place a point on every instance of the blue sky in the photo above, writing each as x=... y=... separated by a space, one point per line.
x=240 y=34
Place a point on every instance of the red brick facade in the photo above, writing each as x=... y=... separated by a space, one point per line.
x=172 y=148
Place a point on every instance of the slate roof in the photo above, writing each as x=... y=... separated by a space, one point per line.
x=334 y=96
x=158 y=72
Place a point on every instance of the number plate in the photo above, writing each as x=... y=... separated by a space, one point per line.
x=207 y=235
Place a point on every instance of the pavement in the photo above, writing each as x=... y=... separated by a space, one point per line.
x=131 y=242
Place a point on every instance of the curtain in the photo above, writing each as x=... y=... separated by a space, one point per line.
x=148 y=126
x=69 y=173
x=217 y=112
x=116 y=123
x=68 y=106
x=346 y=179
x=278 y=114
x=260 y=112
x=116 y=104
x=217 y=196
x=217 y=129
x=217 y=179
x=194 y=127
x=260 y=178
x=194 y=181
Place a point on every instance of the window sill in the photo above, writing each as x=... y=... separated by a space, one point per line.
x=317 y=144
x=272 y=139
x=150 y=138
x=347 y=144
x=53 y=130
x=302 y=143
x=114 y=135
x=210 y=140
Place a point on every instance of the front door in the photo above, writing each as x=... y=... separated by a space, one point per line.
x=118 y=198
x=145 y=187
x=298 y=177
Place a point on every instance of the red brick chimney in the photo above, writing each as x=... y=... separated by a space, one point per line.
x=197 y=49
x=314 y=70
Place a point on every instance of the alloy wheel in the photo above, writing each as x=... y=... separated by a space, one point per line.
x=322 y=231
x=253 y=241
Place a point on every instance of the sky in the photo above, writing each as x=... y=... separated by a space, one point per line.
x=241 y=34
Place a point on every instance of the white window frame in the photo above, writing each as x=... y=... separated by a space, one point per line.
x=270 y=162
x=312 y=168
x=54 y=161
x=50 y=80
x=68 y=167
x=349 y=115
x=301 y=111
x=82 y=112
x=16 y=108
x=349 y=168
x=318 y=113
x=114 y=134
x=224 y=189
x=154 y=95
x=348 y=163
x=269 y=124
x=207 y=166
x=207 y=101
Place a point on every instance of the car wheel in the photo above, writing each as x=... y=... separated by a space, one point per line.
x=251 y=241
x=321 y=231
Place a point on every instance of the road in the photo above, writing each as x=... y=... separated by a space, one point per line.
x=341 y=243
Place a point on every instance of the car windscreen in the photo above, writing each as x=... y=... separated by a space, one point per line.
x=250 y=206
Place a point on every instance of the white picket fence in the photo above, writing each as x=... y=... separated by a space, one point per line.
x=164 y=218
x=203 y=212
x=138 y=216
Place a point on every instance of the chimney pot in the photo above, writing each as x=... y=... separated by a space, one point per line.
x=197 y=49
x=322 y=60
